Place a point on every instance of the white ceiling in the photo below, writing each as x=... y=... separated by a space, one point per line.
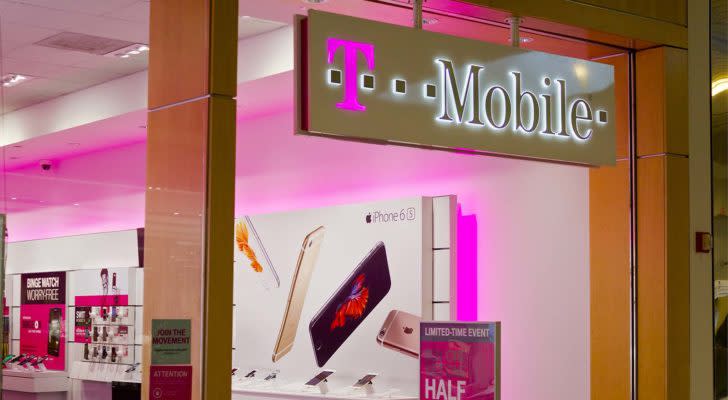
x=57 y=72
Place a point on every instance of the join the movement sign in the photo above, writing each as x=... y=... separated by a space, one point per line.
x=373 y=81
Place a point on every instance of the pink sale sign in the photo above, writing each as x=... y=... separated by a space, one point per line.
x=43 y=318
x=460 y=361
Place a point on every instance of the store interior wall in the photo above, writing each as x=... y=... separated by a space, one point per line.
x=526 y=223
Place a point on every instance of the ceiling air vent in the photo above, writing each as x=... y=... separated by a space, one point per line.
x=83 y=43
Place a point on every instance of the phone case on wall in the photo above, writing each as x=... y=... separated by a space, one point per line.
x=352 y=302
x=251 y=254
x=401 y=332
x=54 y=331
x=307 y=257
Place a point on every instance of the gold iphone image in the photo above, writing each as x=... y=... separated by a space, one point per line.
x=401 y=332
x=297 y=295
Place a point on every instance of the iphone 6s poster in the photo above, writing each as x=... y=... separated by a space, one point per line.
x=43 y=316
x=460 y=361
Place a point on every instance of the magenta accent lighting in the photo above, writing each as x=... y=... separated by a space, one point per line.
x=351 y=73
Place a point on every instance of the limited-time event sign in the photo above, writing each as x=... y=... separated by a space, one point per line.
x=373 y=81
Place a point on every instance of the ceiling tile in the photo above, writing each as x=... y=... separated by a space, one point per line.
x=82 y=6
x=116 y=65
x=137 y=12
x=137 y=32
x=40 y=16
x=32 y=68
x=50 y=55
x=88 y=77
x=14 y=35
x=249 y=26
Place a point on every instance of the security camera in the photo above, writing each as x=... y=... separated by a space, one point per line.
x=46 y=165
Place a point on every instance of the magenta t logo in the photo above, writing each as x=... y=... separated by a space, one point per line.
x=351 y=49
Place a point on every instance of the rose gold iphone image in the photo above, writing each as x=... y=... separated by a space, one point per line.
x=307 y=258
x=401 y=332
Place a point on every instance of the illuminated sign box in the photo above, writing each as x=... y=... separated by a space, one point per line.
x=372 y=81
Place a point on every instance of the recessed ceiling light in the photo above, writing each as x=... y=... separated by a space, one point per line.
x=314 y=1
x=11 y=80
x=74 y=144
x=13 y=198
x=126 y=52
x=526 y=39
x=76 y=204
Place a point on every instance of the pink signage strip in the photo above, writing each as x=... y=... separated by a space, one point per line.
x=100 y=301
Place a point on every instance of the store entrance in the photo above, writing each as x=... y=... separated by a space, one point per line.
x=338 y=248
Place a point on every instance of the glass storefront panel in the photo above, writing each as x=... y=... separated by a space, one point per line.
x=341 y=247
x=719 y=73
x=73 y=132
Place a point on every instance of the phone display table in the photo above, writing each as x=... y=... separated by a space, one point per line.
x=298 y=391
x=30 y=385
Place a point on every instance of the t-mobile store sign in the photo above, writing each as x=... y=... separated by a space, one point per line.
x=373 y=81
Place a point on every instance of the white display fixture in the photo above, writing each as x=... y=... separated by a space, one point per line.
x=35 y=385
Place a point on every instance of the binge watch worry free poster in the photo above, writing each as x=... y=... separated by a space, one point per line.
x=43 y=316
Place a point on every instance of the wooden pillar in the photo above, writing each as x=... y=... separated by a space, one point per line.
x=663 y=225
x=190 y=181
x=610 y=257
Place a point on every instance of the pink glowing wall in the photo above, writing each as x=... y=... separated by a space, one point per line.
x=523 y=227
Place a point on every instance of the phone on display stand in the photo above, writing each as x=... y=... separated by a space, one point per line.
x=272 y=376
x=365 y=380
x=350 y=304
x=251 y=374
x=307 y=257
x=320 y=377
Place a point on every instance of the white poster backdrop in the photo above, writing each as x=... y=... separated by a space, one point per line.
x=348 y=238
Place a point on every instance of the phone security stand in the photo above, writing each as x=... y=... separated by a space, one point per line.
x=320 y=382
x=323 y=386
x=41 y=367
x=369 y=388
x=366 y=384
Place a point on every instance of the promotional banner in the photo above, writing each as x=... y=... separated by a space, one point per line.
x=336 y=288
x=369 y=80
x=171 y=341
x=460 y=361
x=170 y=382
x=43 y=317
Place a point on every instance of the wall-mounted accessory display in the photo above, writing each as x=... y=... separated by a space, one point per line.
x=105 y=325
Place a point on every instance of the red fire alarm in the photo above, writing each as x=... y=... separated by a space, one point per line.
x=703 y=242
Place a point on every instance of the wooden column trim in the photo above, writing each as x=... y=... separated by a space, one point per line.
x=189 y=212
x=663 y=225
